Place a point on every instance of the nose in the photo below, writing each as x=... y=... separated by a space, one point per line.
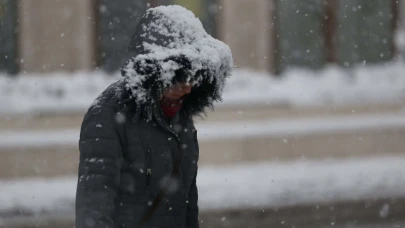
x=186 y=89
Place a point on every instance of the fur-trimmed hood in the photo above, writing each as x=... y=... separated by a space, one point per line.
x=170 y=45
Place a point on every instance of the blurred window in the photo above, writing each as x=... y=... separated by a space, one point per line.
x=8 y=36
x=361 y=31
x=299 y=31
x=365 y=31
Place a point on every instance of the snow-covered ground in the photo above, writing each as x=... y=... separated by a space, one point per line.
x=223 y=130
x=260 y=185
x=296 y=87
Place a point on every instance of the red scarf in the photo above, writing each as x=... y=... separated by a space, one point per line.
x=170 y=110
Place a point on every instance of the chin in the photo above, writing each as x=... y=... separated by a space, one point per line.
x=174 y=98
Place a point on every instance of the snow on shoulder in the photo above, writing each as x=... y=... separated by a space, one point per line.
x=169 y=40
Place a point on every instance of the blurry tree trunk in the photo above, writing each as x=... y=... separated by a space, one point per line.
x=275 y=41
x=394 y=25
x=329 y=30
x=8 y=36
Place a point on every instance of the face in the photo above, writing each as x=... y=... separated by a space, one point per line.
x=177 y=91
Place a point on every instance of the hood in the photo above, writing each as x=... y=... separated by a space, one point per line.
x=171 y=45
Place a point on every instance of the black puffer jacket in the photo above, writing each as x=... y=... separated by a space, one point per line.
x=125 y=161
x=129 y=151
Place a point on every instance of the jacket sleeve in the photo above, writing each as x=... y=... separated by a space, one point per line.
x=192 y=206
x=99 y=170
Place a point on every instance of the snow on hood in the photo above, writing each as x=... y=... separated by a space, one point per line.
x=171 y=45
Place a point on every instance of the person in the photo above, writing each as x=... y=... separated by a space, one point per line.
x=138 y=143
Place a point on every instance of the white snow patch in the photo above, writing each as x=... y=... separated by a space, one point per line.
x=32 y=93
x=299 y=126
x=301 y=182
x=95 y=160
x=36 y=138
x=243 y=186
x=62 y=92
x=223 y=130
x=329 y=86
x=38 y=195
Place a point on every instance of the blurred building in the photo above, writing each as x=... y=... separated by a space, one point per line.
x=271 y=35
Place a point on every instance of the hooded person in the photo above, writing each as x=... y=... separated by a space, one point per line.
x=138 y=144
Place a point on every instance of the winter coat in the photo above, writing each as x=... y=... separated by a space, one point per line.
x=129 y=150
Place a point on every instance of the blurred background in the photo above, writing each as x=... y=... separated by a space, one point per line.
x=311 y=132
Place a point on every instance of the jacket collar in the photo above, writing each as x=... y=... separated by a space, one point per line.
x=164 y=122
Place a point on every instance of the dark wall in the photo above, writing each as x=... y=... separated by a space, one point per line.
x=8 y=36
x=116 y=24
